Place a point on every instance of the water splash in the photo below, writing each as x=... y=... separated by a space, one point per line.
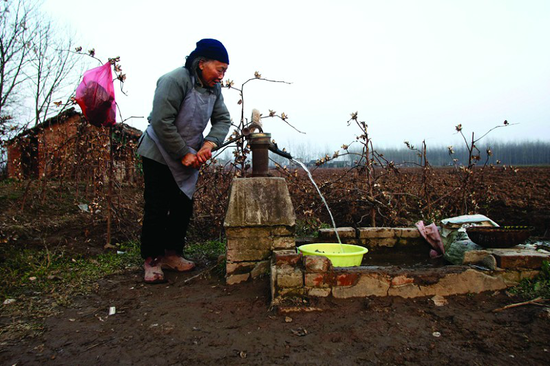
x=322 y=198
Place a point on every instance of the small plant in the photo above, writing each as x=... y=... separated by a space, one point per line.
x=43 y=271
x=205 y=251
x=535 y=287
x=309 y=226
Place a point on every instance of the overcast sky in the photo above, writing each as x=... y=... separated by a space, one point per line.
x=413 y=69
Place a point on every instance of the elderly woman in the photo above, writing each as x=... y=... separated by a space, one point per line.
x=173 y=149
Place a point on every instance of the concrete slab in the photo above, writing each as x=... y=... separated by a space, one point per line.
x=262 y=201
x=519 y=258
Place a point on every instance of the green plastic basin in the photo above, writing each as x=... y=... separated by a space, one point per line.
x=351 y=256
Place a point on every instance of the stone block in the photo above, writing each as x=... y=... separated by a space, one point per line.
x=407 y=233
x=376 y=232
x=264 y=243
x=283 y=242
x=260 y=269
x=273 y=283
x=247 y=255
x=480 y=257
x=512 y=278
x=468 y=281
x=344 y=233
x=283 y=231
x=248 y=232
x=318 y=292
x=238 y=278
x=291 y=292
x=259 y=201
x=519 y=258
x=239 y=267
x=474 y=256
x=285 y=252
x=289 y=277
x=317 y=263
x=369 y=284
x=378 y=242
x=408 y=290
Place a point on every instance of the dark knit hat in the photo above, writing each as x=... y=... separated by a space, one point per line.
x=209 y=48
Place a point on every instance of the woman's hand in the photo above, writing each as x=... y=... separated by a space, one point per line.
x=205 y=152
x=190 y=160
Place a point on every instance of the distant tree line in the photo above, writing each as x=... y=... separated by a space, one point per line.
x=503 y=153
x=491 y=152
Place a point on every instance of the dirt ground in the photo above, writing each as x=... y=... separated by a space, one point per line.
x=204 y=321
x=201 y=320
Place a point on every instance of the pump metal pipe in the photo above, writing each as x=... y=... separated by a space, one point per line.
x=259 y=144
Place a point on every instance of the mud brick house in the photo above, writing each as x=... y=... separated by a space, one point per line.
x=67 y=146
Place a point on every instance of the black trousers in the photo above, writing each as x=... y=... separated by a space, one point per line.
x=167 y=212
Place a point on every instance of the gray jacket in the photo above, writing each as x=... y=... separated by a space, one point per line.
x=171 y=90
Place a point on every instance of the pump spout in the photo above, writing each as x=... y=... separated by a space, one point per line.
x=273 y=148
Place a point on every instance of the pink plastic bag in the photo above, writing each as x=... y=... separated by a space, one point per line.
x=431 y=234
x=96 y=96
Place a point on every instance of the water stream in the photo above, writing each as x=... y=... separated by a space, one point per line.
x=323 y=199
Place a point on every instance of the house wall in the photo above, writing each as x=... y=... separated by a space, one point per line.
x=14 y=159
x=53 y=143
x=71 y=149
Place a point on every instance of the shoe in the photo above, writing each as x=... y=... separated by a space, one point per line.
x=153 y=271
x=176 y=262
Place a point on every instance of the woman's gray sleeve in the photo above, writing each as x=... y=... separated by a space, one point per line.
x=221 y=122
x=168 y=98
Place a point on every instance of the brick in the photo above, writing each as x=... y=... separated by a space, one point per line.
x=292 y=277
x=249 y=243
x=319 y=279
x=347 y=279
x=284 y=242
x=399 y=281
x=317 y=263
x=289 y=259
x=240 y=255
